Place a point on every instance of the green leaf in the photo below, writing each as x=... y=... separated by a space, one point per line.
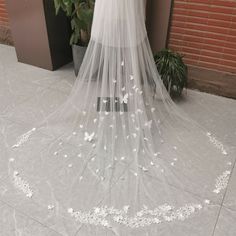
x=172 y=70
x=80 y=13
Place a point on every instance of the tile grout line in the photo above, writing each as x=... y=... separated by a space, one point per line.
x=230 y=209
x=221 y=206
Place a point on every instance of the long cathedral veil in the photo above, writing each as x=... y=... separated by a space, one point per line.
x=118 y=157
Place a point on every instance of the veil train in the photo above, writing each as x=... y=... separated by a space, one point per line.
x=118 y=157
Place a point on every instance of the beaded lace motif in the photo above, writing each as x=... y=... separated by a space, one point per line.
x=105 y=216
x=222 y=182
x=24 y=138
x=22 y=185
x=217 y=143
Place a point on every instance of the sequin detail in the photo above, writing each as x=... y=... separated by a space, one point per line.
x=222 y=182
x=105 y=216
x=24 y=138
x=217 y=143
x=22 y=185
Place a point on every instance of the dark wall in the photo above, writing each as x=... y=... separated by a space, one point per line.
x=158 y=16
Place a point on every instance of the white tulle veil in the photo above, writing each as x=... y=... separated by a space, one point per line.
x=118 y=157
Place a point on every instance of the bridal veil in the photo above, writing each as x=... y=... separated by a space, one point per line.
x=118 y=158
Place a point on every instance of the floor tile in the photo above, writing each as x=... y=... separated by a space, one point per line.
x=14 y=223
x=226 y=224
x=36 y=108
x=215 y=113
x=14 y=92
x=11 y=70
x=230 y=198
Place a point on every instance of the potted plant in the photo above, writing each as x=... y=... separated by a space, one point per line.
x=80 y=13
x=173 y=71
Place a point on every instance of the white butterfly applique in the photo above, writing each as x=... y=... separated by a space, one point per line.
x=153 y=109
x=149 y=124
x=139 y=111
x=88 y=137
x=124 y=99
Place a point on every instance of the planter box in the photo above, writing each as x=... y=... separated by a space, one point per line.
x=40 y=37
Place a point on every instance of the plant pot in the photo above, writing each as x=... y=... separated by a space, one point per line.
x=78 y=56
x=40 y=37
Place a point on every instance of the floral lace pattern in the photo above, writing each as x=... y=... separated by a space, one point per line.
x=222 y=182
x=217 y=143
x=104 y=216
x=22 y=185
x=24 y=138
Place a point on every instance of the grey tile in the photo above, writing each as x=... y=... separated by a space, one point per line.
x=37 y=219
x=36 y=108
x=14 y=223
x=14 y=92
x=3 y=151
x=14 y=72
x=3 y=163
x=215 y=113
x=230 y=198
x=61 y=79
x=226 y=224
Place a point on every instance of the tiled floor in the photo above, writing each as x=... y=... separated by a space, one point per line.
x=28 y=94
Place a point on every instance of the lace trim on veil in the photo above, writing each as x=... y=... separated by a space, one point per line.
x=105 y=216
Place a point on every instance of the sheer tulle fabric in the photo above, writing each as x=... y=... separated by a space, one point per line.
x=118 y=157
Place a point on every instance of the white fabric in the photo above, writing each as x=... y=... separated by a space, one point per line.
x=117 y=158
x=125 y=21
